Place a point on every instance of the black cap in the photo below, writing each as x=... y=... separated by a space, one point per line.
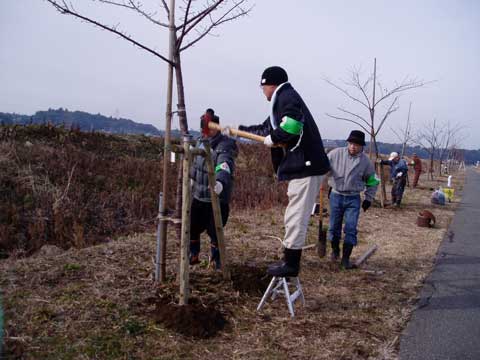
x=357 y=137
x=274 y=75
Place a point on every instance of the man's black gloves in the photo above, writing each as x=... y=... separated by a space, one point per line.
x=366 y=204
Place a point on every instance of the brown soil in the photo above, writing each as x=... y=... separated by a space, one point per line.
x=250 y=280
x=200 y=320
x=194 y=319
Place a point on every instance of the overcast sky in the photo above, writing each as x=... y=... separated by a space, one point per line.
x=49 y=60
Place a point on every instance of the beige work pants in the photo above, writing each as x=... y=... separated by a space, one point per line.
x=302 y=195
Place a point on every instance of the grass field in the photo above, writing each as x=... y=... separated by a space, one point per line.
x=101 y=302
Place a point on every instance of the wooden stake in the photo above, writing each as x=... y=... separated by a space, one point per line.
x=158 y=254
x=162 y=227
x=322 y=239
x=185 y=237
x=216 y=212
x=383 y=192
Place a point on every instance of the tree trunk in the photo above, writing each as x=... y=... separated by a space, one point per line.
x=181 y=110
x=431 y=166
x=372 y=113
x=182 y=116
x=404 y=145
x=376 y=147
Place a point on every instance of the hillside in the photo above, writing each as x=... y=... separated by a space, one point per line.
x=81 y=120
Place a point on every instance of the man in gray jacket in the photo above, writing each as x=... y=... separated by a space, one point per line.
x=351 y=173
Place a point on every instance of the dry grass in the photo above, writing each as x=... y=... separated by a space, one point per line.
x=99 y=302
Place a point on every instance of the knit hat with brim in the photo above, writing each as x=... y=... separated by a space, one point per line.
x=357 y=137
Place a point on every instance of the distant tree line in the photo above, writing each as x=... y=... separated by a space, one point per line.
x=100 y=123
x=469 y=156
x=81 y=120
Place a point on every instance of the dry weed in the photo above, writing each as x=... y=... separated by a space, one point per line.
x=99 y=302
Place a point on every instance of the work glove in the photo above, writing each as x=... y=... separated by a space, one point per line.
x=399 y=175
x=366 y=204
x=268 y=141
x=218 y=188
x=227 y=131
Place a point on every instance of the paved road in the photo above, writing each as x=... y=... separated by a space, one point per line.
x=446 y=324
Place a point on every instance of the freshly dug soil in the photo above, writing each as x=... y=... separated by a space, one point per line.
x=250 y=279
x=193 y=320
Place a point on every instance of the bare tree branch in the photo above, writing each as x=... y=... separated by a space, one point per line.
x=349 y=120
x=135 y=7
x=213 y=23
x=180 y=39
x=201 y=14
x=390 y=110
x=353 y=114
x=404 y=86
x=356 y=78
x=370 y=102
x=346 y=93
x=68 y=10
x=192 y=22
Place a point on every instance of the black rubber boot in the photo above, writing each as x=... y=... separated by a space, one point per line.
x=346 y=252
x=335 y=250
x=194 y=252
x=290 y=265
x=215 y=257
x=394 y=201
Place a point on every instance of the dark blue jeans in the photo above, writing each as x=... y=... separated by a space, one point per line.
x=398 y=188
x=344 y=208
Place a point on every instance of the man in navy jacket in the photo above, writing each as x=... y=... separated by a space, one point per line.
x=398 y=174
x=297 y=156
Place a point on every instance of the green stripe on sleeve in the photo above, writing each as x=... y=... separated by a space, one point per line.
x=373 y=180
x=291 y=126
x=223 y=166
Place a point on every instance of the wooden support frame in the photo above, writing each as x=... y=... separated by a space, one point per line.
x=185 y=237
x=216 y=212
x=184 y=273
x=383 y=192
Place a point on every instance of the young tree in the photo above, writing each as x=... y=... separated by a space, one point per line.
x=404 y=134
x=196 y=20
x=430 y=139
x=371 y=103
x=450 y=140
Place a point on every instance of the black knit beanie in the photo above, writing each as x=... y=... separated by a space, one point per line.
x=274 y=75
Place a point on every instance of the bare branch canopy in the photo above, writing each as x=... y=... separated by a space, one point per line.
x=355 y=85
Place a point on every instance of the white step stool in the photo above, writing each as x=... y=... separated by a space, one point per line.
x=280 y=285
